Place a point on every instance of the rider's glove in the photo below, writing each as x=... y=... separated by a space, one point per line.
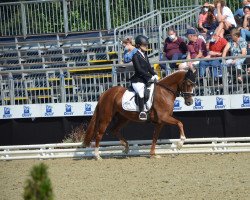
x=155 y=78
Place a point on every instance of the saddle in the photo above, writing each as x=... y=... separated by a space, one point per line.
x=130 y=99
x=146 y=94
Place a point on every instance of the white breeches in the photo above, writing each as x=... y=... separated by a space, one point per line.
x=139 y=88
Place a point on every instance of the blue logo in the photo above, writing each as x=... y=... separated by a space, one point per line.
x=177 y=105
x=49 y=111
x=26 y=111
x=219 y=103
x=7 y=113
x=68 y=110
x=197 y=104
x=246 y=101
x=88 y=109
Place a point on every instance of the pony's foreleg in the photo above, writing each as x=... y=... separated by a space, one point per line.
x=173 y=121
x=157 y=131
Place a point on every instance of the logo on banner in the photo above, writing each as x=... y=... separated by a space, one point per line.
x=7 y=113
x=219 y=103
x=49 y=111
x=26 y=111
x=197 y=104
x=88 y=109
x=246 y=101
x=177 y=105
x=68 y=110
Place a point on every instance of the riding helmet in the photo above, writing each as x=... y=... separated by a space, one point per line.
x=141 y=40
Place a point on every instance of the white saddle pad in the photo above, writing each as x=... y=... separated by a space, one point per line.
x=128 y=100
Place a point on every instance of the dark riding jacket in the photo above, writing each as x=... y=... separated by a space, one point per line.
x=143 y=69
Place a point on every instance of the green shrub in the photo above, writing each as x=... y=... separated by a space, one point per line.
x=38 y=186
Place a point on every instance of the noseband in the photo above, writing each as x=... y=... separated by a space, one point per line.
x=186 y=94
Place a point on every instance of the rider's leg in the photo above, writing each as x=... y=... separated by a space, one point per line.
x=139 y=88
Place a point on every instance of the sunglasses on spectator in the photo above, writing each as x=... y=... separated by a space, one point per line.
x=205 y=6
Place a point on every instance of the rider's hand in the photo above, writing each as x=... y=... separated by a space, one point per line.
x=155 y=78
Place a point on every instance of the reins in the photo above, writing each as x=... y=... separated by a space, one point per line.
x=175 y=93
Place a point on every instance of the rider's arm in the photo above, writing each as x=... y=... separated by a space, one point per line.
x=137 y=66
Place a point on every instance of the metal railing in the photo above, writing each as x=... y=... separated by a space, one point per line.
x=136 y=148
x=179 y=23
x=144 y=25
x=64 y=16
x=80 y=85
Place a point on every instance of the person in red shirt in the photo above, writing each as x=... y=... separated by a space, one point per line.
x=215 y=48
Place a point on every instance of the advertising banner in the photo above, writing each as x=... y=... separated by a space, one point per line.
x=200 y=103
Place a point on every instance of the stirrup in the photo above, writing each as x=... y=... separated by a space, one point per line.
x=143 y=116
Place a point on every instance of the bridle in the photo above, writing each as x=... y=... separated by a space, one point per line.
x=179 y=91
x=186 y=94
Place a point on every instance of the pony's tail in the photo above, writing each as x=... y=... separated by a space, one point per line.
x=91 y=129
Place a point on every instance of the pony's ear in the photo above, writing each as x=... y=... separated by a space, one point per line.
x=191 y=75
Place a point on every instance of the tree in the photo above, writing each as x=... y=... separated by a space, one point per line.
x=38 y=186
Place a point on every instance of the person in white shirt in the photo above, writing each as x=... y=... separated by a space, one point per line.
x=224 y=17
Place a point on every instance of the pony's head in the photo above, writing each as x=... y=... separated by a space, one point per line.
x=187 y=87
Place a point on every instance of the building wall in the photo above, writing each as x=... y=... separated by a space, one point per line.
x=221 y=123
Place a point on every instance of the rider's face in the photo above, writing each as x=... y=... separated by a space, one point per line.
x=144 y=48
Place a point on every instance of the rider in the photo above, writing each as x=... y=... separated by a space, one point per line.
x=143 y=72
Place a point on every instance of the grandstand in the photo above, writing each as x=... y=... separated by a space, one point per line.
x=66 y=65
x=67 y=53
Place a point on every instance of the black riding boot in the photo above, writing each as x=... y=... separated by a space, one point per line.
x=142 y=115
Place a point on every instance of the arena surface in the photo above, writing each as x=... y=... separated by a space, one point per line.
x=182 y=177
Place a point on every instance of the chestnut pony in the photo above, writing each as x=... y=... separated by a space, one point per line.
x=110 y=106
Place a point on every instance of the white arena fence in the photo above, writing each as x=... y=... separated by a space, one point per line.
x=137 y=148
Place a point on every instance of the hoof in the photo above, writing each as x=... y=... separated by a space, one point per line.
x=125 y=151
x=180 y=144
x=155 y=156
x=98 y=158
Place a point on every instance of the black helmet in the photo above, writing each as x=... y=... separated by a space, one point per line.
x=141 y=40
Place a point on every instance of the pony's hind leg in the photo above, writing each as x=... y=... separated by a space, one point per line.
x=120 y=121
x=100 y=133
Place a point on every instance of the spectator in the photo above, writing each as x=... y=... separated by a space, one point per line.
x=196 y=49
x=174 y=48
x=224 y=17
x=215 y=47
x=244 y=31
x=129 y=49
x=207 y=22
x=237 y=47
x=240 y=11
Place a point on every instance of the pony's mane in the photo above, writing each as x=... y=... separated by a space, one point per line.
x=173 y=74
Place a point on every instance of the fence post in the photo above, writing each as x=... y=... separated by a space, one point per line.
x=151 y=5
x=65 y=17
x=24 y=24
x=114 y=75
x=108 y=18
x=224 y=77
x=62 y=84
x=12 y=92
